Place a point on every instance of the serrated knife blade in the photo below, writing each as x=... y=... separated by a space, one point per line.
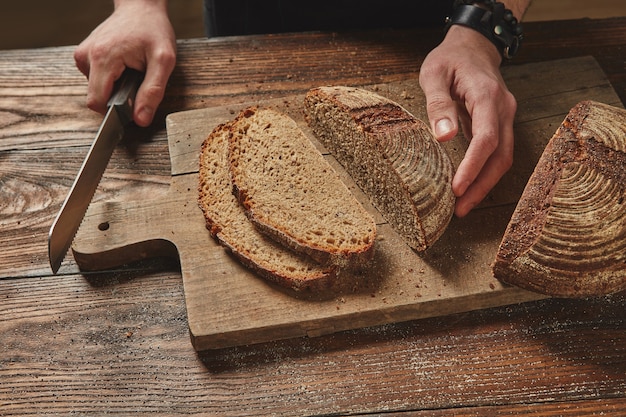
x=111 y=131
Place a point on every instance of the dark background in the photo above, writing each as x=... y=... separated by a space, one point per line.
x=41 y=23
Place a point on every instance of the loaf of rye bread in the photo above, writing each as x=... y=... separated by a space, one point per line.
x=567 y=235
x=292 y=194
x=227 y=222
x=392 y=156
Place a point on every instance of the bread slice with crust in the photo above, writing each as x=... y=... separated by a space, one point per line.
x=292 y=194
x=392 y=156
x=228 y=223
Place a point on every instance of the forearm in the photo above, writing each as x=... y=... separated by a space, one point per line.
x=157 y=3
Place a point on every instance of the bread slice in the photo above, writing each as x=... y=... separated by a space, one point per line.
x=292 y=194
x=567 y=235
x=392 y=156
x=227 y=222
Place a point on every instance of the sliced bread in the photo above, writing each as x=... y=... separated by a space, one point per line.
x=227 y=222
x=391 y=155
x=291 y=193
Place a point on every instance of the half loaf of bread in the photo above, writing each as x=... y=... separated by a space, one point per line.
x=292 y=194
x=227 y=222
x=567 y=235
x=392 y=156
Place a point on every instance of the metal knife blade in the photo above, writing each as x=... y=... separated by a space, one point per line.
x=111 y=131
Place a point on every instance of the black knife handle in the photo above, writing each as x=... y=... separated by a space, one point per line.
x=124 y=93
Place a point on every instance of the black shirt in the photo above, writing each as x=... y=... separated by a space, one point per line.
x=242 y=17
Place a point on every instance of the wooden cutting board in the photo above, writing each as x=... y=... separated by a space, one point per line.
x=227 y=305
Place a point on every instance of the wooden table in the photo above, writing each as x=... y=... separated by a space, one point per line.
x=117 y=342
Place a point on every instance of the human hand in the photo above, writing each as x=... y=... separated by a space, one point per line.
x=461 y=80
x=137 y=35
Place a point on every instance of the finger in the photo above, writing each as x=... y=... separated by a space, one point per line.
x=465 y=121
x=100 y=87
x=484 y=140
x=495 y=167
x=152 y=89
x=440 y=106
x=498 y=163
x=81 y=60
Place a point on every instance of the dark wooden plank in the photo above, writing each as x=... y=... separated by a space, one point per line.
x=42 y=100
x=119 y=343
x=211 y=73
x=605 y=407
x=129 y=352
x=34 y=183
x=603 y=39
x=43 y=86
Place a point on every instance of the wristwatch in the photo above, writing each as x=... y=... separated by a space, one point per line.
x=491 y=19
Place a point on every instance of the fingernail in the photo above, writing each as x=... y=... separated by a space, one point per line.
x=463 y=208
x=145 y=116
x=443 y=127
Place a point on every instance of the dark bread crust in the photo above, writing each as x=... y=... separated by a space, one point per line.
x=567 y=236
x=392 y=156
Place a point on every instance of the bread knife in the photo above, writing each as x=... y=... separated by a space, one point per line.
x=119 y=114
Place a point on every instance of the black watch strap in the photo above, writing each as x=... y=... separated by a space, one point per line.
x=492 y=20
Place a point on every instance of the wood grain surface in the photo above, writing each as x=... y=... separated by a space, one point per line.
x=118 y=342
x=228 y=305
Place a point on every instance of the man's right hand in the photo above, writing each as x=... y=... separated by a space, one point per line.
x=137 y=35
